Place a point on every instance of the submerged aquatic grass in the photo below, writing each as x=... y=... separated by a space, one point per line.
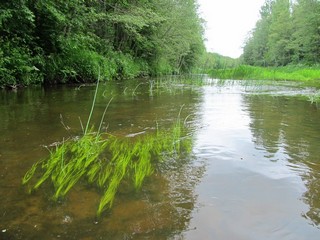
x=105 y=161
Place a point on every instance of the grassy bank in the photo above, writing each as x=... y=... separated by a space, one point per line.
x=246 y=72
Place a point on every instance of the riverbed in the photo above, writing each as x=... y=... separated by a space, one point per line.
x=253 y=171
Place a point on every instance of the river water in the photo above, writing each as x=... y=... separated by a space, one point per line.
x=253 y=171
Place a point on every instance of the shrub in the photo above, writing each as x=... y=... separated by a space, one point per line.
x=18 y=66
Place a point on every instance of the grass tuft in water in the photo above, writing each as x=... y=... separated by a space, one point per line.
x=105 y=161
x=315 y=98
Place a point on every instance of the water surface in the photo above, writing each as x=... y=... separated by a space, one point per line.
x=253 y=173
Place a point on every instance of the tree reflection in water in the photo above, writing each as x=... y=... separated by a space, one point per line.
x=290 y=125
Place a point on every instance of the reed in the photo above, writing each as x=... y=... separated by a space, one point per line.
x=93 y=104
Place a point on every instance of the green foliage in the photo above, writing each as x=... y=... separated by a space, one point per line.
x=280 y=33
x=209 y=61
x=177 y=42
x=161 y=67
x=21 y=60
x=127 y=66
x=306 y=35
x=65 y=41
x=287 y=33
x=77 y=62
x=105 y=161
x=18 y=66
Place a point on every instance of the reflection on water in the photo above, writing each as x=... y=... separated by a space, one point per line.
x=261 y=153
x=254 y=172
x=288 y=129
x=33 y=118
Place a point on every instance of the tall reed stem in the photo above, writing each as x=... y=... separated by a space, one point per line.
x=93 y=104
x=103 y=115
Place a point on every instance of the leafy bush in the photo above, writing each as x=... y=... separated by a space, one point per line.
x=18 y=66
x=78 y=62
x=127 y=67
x=161 y=67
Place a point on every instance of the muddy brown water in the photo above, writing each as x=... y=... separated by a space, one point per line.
x=253 y=172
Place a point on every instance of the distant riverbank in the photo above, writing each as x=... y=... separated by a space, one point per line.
x=298 y=73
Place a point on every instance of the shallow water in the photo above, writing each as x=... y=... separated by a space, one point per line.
x=253 y=173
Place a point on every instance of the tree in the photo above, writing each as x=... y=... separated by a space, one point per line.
x=287 y=32
x=20 y=56
x=256 y=46
x=178 y=40
x=279 y=52
x=306 y=36
x=77 y=40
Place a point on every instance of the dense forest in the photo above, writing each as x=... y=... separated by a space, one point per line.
x=288 y=32
x=59 y=41
x=209 y=61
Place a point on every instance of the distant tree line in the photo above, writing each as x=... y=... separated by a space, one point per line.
x=210 y=60
x=58 y=41
x=288 y=32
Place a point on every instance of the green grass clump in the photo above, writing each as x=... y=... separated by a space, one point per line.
x=67 y=163
x=105 y=161
x=315 y=98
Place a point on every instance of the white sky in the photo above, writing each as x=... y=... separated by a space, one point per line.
x=228 y=23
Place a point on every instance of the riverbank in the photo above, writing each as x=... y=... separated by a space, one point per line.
x=246 y=72
x=49 y=42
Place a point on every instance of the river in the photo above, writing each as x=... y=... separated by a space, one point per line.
x=253 y=171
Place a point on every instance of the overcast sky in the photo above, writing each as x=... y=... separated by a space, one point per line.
x=228 y=23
